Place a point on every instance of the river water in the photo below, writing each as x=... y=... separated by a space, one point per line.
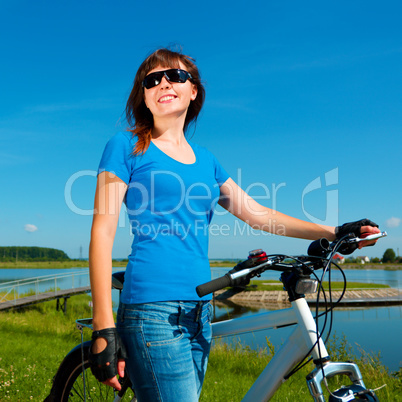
x=375 y=329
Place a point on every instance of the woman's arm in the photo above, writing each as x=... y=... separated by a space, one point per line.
x=244 y=207
x=110 y=192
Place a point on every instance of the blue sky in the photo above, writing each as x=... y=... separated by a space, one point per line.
x=303 y=109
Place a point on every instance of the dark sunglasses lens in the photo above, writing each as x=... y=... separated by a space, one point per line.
x=152 y=80
x=176 y=75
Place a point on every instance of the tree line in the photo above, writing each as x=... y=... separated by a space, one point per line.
x=389 y=256
x=14 y=253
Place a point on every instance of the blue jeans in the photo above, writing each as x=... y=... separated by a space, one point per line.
x=168 y=345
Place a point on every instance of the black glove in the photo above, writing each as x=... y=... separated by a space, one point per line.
x=245 y=280
x=114 y=351
x=351 y=227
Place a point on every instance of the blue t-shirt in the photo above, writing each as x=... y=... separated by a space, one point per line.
x=170 y=205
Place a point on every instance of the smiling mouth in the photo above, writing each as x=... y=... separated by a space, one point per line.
x=166 y=98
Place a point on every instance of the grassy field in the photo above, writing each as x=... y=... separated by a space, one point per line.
x=231 y=372
x=33 y=343
x=35 y=340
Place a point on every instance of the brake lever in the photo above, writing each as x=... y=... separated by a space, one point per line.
x=252 y=270
x=366 y=237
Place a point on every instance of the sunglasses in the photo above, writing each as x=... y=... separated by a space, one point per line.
x=172 y=75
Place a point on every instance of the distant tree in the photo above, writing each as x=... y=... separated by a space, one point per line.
x=31 y=254
x=350 y=260
x=389 y=255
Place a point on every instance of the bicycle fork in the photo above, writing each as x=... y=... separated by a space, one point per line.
x=329 y=370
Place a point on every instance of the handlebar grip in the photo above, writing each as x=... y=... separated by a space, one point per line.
x=214 y=285
x=319 y=248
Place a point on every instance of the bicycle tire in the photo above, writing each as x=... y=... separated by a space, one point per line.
x=68 y=384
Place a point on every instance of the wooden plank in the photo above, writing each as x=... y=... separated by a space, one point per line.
x=42 y=297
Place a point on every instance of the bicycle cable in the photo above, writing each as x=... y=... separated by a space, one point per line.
x=327 y=309
x=328 y=267
x=303 y=362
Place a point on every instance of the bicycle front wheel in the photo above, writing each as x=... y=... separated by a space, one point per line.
x=74 y=381
x=353 y=393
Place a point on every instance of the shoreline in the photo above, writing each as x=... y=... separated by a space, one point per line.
x=279 y=298
x=213 y=264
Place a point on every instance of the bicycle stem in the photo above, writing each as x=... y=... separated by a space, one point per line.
x=311 y=335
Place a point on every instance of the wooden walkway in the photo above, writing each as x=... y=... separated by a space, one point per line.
x=42 y=297
x=360 y=297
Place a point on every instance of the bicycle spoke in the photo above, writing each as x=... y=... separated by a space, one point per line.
x=94 y=390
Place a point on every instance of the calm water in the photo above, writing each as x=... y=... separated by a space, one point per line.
x=375 y=329
x=7 y=275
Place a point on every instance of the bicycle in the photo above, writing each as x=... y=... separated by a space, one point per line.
x=74 y=380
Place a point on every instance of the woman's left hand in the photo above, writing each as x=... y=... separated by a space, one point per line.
x=360 y=228
x=367 y=230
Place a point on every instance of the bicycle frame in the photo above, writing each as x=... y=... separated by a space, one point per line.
x=302 y=339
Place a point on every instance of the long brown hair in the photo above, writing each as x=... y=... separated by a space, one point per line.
x=138 y=116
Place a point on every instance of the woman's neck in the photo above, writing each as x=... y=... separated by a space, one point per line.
x=169 y=127
x=169 y=133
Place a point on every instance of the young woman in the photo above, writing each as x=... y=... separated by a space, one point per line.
x=170 y=187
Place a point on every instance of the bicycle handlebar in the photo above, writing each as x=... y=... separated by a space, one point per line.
x=214 y=285
x=238 y=272
x=322 y=247
x=319 y=248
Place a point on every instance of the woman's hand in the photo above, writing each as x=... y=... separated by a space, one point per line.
x=114 y=382
x=368 y=230
x=106 y=357
x=360 y=228
x=97 y=347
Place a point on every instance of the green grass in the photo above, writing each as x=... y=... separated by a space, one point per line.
x=232 y=371
x=31 y=292
x=10 y=296
x=34 y=341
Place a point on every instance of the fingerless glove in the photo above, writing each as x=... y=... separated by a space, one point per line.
x=351 y=227
x=104 y=364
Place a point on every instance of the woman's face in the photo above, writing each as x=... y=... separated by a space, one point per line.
x=169 y=99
